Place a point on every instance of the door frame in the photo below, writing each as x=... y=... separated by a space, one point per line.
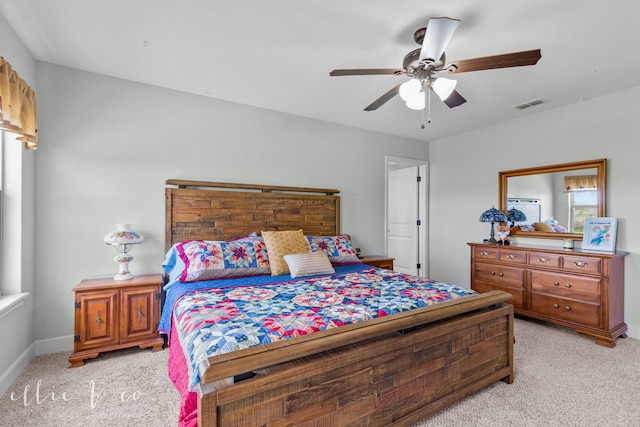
x=423 y=205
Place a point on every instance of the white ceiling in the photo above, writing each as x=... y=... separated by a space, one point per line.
x=277 y=54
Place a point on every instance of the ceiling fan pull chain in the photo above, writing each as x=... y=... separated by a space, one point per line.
x=428 y=108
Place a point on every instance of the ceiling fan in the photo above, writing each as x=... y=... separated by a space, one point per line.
x=425 y=63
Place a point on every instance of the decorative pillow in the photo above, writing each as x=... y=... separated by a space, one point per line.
x=541 y=226
x=308 y=264
x=281 y=243
x=206 y=260
x=527 y=227
x=558 y=228
x=173 y=265
x=338 y=248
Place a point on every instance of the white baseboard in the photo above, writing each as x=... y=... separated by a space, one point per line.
x=10 y=375
x=54 y=345
x=633 y=331
x=38 y=348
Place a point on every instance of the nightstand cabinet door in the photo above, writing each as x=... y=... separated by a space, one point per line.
x=140 y=313
x=96 y=312
x=115 y=314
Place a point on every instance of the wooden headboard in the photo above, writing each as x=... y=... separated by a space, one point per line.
x=200 y=210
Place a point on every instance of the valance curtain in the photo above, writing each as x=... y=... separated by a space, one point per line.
x=580 y=183
x=18 y=112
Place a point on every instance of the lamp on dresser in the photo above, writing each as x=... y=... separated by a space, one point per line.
x=123 y=240
x=493 y=215
x=515 y=215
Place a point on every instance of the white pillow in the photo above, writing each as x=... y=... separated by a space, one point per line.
x=308 y=264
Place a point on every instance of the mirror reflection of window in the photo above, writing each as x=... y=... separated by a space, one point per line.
x=582 y=205
x=583 y=199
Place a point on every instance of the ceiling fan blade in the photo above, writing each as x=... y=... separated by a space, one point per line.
x=384 y=98
x=366 y=71
x=515 y=59
x=454 y=100
x=437 y=37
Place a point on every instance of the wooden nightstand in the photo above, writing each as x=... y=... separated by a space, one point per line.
x=114 y=314
x=378 y=261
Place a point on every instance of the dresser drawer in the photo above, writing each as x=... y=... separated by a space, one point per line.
x=566 y=285
x=582 y=264
x=484 y=253
x=583 y=313
x=512 y=256
x=517 y=295
x=512 y=277
x=544 y=260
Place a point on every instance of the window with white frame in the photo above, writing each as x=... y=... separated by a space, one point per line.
x=582 y=205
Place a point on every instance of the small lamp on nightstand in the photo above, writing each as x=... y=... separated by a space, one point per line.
x=493 y=215
x=123 y=240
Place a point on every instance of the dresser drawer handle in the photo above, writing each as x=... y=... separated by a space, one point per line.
x=484 y=254
x=566 y=307
x=493 y=273
x=580 y=264
x=567 y=285
x=556 y=283
x=556 y=306
x=543 y=260
x=512 y=257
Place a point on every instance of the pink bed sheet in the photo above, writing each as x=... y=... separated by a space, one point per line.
x=179 y=376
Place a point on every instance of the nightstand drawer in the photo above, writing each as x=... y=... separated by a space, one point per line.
x=378 y=261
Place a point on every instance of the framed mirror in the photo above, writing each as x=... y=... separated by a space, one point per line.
x=556 y=198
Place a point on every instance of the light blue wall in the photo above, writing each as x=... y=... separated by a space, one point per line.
x=108 y=145
x=464 y=178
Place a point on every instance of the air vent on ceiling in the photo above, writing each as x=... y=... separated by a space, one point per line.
x=529 y=104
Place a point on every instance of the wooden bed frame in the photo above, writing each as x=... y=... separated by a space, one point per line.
x=393 y=370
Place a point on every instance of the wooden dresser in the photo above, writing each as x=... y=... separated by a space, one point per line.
x=583 y=290
x=114 y=314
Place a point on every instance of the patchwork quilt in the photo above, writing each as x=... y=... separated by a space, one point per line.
x=220 y=320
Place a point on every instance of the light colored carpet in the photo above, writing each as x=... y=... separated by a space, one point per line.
x=562 y=379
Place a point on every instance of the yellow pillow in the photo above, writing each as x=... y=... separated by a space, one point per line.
x=281 y=243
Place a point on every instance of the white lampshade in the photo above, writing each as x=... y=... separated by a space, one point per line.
x=413 y=94
x=418 y=103
x=443 y=87
x=123 y=240
x=410 y=90
x=123 y=235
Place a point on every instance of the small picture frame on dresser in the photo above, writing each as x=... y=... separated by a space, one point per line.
x=600 y=234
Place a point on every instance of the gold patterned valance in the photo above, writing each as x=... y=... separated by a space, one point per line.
x=580 y=183
x=18 y=113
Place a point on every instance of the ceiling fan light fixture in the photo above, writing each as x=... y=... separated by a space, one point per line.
x=443 y=87
x=418 y=103
x=410 y=90
x=412 y=93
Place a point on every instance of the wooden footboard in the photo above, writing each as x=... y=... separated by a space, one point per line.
x=396 y=370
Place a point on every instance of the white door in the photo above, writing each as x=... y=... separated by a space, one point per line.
x=402 y=219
